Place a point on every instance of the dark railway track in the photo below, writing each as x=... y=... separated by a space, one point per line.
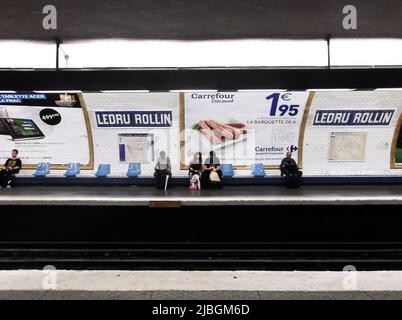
x=207 y=238
x=202 y=256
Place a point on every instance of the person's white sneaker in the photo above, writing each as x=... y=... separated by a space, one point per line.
x=1 y=187
x=8 y=186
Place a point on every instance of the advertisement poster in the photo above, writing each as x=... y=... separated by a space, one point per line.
x=45 y=127
x=243 y=127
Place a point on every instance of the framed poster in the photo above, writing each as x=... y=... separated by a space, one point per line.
x=347 y=146
x=243 y=128
x=136 y=147
x=46 y=127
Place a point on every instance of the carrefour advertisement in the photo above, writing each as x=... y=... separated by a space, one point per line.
x=243 y=127
x=45 y=127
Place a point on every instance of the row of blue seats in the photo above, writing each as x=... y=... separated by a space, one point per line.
x=74 y=169
x=134 y=170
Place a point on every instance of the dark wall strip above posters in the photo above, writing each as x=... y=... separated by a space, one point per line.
x=221 y=79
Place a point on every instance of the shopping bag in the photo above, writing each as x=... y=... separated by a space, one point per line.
x=214 y=177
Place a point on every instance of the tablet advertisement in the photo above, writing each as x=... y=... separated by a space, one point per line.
x=243 y=127
x=45 y=127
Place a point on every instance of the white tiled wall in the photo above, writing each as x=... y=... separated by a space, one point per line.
x=106 y=139
x=316 y=138
x=379 y=138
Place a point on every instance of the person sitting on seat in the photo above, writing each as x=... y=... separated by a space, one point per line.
x=9 y=170
x=162 y=170
x=291 y=171
x=195 y=171
x=212 y=175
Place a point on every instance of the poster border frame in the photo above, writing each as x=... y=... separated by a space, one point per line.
x=90 y=165
x=182 y=111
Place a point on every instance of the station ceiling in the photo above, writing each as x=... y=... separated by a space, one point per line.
x=199 y=20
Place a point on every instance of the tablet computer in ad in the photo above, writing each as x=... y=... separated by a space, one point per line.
x=20 y=129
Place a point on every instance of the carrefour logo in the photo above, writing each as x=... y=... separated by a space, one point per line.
x=269 y=150
x=291 y=148
x=218 y=97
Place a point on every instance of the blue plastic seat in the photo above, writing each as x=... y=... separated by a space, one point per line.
x=134 y=170
x=257 y=170
x=227 y=170
x=103 y=170
x=42 y=169
x=73 y=169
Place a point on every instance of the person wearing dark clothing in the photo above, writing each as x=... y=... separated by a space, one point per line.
x=9 y=170
x=291 y=171
x=195 y=165
x=288 y=165
x=212 y=175
x=163 y=170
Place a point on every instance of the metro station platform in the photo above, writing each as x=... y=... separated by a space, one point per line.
x=180 y=195
x=210 y=285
